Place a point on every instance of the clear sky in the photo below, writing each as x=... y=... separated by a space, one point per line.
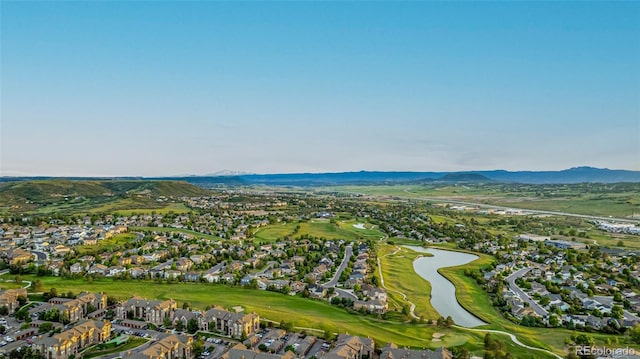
x=168 y=88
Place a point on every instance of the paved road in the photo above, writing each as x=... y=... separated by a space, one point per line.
x=41 y=255
x=346 y=294
x=608 y=300
x=345 y=261
x=511 y=279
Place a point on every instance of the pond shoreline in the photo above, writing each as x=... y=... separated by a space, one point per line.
x=445 y=300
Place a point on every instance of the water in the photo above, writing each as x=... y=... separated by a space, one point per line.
x=443 y=292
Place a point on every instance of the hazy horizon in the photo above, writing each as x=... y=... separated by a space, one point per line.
x=176 y=88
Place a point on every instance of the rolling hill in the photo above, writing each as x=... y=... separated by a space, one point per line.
x=78 y=195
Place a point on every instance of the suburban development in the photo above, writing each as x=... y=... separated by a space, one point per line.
x=279 y=272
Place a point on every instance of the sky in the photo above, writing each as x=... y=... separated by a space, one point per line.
x=145 y=88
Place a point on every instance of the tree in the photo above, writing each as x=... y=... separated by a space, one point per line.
x=4 y=310
x=45 y=327
x=198 y=348
x=192 y=326
x=37 y=286
x=22 y=314
x=166 y=322
x=448 y=322
x=634 y=333
x=617 y=312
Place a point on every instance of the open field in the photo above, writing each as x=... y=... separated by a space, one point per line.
x=399 y=276
x=94 y=352
x=273 y=306
x=108 y=244
x=617 y=200
x=178 y=230
x=363 y=230
x=274 y=232
x=322 y=228
x=127 y=207
x=89 y=196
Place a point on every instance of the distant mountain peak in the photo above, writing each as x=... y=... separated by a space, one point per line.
x=583 y=168
x=226 y=172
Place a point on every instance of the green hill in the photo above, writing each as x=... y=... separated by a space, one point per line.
x=80 y=195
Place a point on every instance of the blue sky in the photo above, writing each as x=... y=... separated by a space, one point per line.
x=167 y=88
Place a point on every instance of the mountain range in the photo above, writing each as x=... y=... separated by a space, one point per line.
x=231 y=178
x=572 y=175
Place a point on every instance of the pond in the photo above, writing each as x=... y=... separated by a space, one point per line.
x=443 y=292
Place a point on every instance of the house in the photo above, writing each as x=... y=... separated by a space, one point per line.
x=170 y=347
x=192 y=276
x=76 y=268
x=232 y=324
x=115 y=270
x=391 y=351
x=374 y=292
x=317 y=291
x=18 y=256
x=98 y=269
x=152 y=311
x=76 y=309
x=352 y=347
x=137 y=272
x=183 y=316
x=71 y=341
x=371 y=306
x=9 y=298
x=172 y=274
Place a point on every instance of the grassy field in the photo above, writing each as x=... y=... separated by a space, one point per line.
x=324 y=229
x=94 y=352
x=129 y=206
x=368 y=232
x=109 y=244
x=178 y=230
x=274 y=232
x=618 y=200
x=44 y=197
x=399 y=276
x=275 y=306
x=301 y=312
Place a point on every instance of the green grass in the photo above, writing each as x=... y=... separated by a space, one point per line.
x=178 y=230
x=137 y=206
x=133 y=342
x=618 y=200
x=83 y=196
x=399 y=276
x=324 y=229
x=275 y=306
x=109 y=244
x=369 y=231
x=274 y=232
